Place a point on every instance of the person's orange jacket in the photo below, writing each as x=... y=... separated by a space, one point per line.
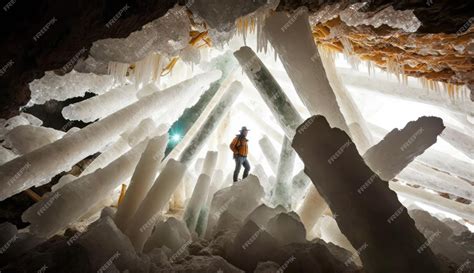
x=239 y=146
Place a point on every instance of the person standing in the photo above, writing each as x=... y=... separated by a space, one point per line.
x=240 y=149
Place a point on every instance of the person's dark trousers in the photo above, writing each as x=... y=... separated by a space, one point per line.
x=241 y=161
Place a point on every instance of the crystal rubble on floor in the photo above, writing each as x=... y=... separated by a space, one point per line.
x=26 y=138
x=262 y=214
x=282 y=240
x=271 y=154
x=66 y=205
x=15 y=242
x=239 y=200
x=205 y=264
x=379 y=253
x=106 y=244
x=282 y=188
x=445 y=241
x=73 y=84
x=37 y=167
x=141 y=181
x=150 y=209
x=286 y=228
x=171 y=233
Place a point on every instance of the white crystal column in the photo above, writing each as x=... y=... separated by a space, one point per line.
x=216 y=184
x=358 y=127
x=38 y=166
x=378 y=83
x=197 y=201
x=101 y=106
x=269 y=89
x=141 y=181
x=303 y=64
x=123 y=144
x=299 y=184
x=69 y=203
x=459 y=140
x=224 y=155
x=421 y=175
x=437 y=160
x=270 y=153
x=155 y=201
x=466 y=211
x=282 y=189
x=210 y=162
x=312 y=208
x=211 y=123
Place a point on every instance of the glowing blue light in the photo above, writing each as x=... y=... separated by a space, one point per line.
x=175 y=137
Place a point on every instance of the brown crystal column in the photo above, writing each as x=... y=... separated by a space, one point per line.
x=374 y=221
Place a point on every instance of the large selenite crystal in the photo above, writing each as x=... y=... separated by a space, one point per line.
x=437 y=160
x=282 y=188
x=459 y=140
x=130 y=138
x=71 y=85
x=312 y=208
x=40 y=165
x=21 y=119
x=197 y=201
x=150 y=209
x=66 y=205
x=102 y=105
x=303 y=64
x=271 y=154
x=400 y=147
x=141 y=181
x=166 y=35
x=270 y=91
x=363 y=223
x=212 y=121
x=26 y=138
x=378 y=83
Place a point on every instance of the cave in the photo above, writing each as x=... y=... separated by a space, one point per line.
x=264 y=136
